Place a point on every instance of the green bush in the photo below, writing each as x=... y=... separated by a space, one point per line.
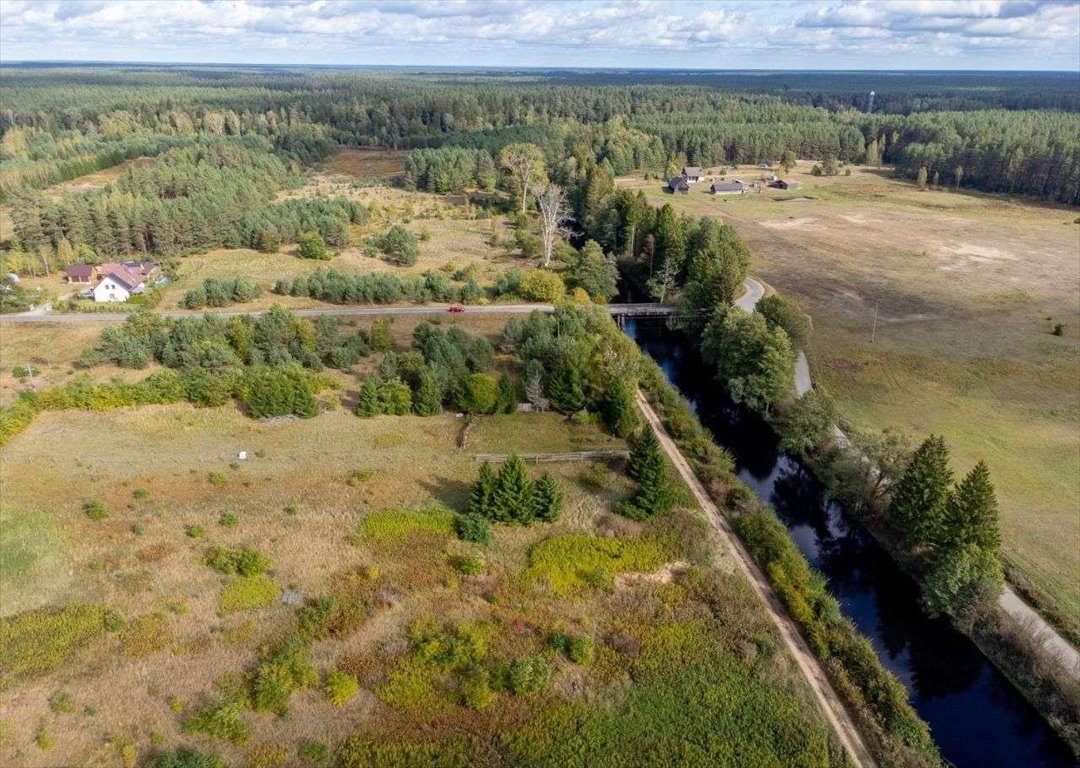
x=312 y=246
x=542 y=285
x=282 y=670
x=398 y=245
x=479 y=393
x=95 y=510
x=340 y=687
x=242 y=561
x=228 y=519
x=472 y=528
x=471 y=564
x=528 y=676
x=61 y=703
x=223 y=720
x=249 y=593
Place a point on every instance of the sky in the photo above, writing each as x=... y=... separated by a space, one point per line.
x=706 y=34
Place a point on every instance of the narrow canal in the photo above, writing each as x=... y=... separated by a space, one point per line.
x=977 y=717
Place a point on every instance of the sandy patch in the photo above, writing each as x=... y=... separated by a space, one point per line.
x=791 y=223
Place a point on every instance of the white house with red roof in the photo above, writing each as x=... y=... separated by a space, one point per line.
x=119 y=282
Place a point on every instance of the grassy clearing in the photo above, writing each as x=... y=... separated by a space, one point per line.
x=33 y=559
x=962 y=285
x=352 y=510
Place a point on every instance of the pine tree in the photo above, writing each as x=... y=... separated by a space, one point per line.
x=917 y=510
x=971 y=515
x=506 y=399
x=642 y=453
x=482 y=496
x=547 y=499
x=428 y=399
x=655 y=493
x=513 y=492
x=565 y=387
x=370 y=402
x=620 y=409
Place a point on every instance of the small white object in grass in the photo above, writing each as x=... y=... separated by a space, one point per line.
x=459 y=415
x=242 y=455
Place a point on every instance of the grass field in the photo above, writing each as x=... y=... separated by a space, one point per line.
x=962 y=286
x=324 y=499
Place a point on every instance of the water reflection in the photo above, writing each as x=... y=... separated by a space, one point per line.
x=978 y=719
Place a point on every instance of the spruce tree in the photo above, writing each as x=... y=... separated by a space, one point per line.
x=482 y=496
x=396 y=397
x=917 y=510
x=370 y=403
x=506 y=400
x=428 y=399
x=513 y=492
x=655 y=493
x=642 y=453
x=620 y=409
x=971 y=515
x=565 y=388
x=547 y=499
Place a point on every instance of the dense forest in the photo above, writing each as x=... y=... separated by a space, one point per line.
x=1016 y=133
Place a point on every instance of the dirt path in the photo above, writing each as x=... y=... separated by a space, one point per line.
x=827 y=697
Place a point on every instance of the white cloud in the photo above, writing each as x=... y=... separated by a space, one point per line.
x=716 y=33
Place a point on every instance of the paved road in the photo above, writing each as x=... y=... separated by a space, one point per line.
x=754 y=292
x=1011 y=603
x=38 y=316
x=826 y=695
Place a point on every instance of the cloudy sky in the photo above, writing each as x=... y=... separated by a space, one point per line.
x=796 y=34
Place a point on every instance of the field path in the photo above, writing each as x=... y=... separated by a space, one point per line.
x=825 y=694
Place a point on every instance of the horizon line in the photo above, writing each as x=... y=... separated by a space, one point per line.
x=513 y=67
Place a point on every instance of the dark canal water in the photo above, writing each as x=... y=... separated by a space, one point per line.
x=977 y=718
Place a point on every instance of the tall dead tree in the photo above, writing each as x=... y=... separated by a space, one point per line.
x=554 y=213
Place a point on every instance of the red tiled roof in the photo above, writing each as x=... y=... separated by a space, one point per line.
x=79 y=271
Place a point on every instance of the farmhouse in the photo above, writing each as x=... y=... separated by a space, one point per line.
x=786 y=184
x=692 y=173
x=678 y=185
x=734 y=187
x=119 y=282
x=80 y=274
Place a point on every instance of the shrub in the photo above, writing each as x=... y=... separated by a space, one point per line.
x=479 y=394
x=217 y=478
x=340 y=687
x=282 y=670
x=141 y=494
x=528 y=676
x=241 y=561
x=472 y=528
x=62 y=703
x=542 y=285
x=249 y=593
x=228 y=520
x=95 y=510
x=471 y=564
x=398 y=245
x=195 y=531
x=312 y=246
x=222 y=720
x=582 y=650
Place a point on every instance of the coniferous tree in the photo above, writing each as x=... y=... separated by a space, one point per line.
x=396 y=397
x=513 y=492
x=971 y=515
x=506 y=399
x=655 y=494
x=565 y=387
x=919 y=500
x=428 y=399
x=370 y=403
x=620 y=409
x=482 y=495
x=547 y=498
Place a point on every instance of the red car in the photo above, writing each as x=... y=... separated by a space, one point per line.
x=455 y=308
